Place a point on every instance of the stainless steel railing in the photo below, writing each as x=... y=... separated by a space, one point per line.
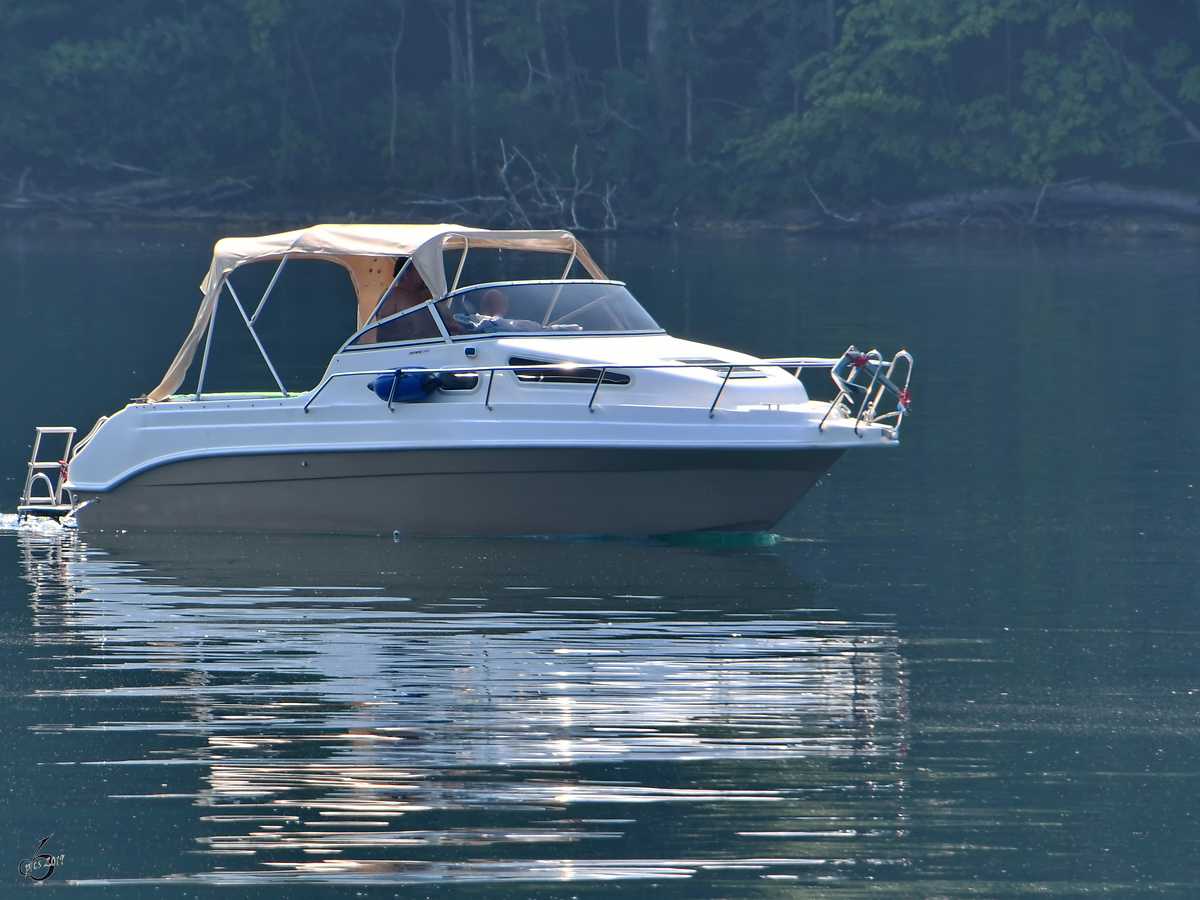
x=855 y=398
x=862 y=401
x=36 y=477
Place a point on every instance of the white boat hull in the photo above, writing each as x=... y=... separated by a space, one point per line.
x=666 y=450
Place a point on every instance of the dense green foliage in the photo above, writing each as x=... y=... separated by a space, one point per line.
x=721 y=105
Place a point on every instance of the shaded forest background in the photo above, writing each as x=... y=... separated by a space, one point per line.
x=586 y=113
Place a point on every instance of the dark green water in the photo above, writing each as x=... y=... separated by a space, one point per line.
x=967 y=668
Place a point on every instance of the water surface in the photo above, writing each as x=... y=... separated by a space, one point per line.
x=965 y=668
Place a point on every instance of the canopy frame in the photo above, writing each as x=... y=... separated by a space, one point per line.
x=363 y=250
x=250 y=323
x=254 y=334
x=212 y=324
x=462 y=261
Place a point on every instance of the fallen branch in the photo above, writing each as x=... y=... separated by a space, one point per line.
x=159 y=196
x=825 y=209
x=529 y=196
x=1022 y=205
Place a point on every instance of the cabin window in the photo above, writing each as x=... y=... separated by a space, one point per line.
x=486 y=265
x=544 y=308
x=415 y=324
x=563 y=374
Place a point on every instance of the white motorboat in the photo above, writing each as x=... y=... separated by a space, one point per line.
x=504 y=408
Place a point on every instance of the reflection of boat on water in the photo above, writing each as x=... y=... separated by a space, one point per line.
x=515 y=673
x=552 y=406
x=337 y=711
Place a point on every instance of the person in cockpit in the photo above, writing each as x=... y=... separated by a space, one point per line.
x=493 y=310
x=407 y=292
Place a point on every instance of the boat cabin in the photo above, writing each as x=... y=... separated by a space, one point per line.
x=399 y=284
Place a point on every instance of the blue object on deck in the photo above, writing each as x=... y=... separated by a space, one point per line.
x=405 y=385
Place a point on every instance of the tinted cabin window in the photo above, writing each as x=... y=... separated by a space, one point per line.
x=549 y=308
x=564 y=374
x=413 y=325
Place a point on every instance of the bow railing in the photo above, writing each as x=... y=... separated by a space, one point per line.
x=868 y=385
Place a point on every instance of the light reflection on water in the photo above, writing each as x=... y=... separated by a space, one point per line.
x=354 y=732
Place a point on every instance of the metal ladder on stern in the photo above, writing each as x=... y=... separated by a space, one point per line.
x=43 y=495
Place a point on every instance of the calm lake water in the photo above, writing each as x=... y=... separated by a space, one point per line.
x=966 y=667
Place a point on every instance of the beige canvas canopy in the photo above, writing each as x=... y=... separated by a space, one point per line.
x=369 y=253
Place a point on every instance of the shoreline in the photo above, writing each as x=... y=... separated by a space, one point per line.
x=1071 y=211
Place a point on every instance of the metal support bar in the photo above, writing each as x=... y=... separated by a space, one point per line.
x=462 y=261
x=382 y=297
x=392 y=392
x=270 y=287
x=885 y=384
x=804 y=362
x=571 y=261
x=558 y=290
x=596 y=389
x=86 y=439
x=254 y=334
x=328 y=378
x=901 y=409
x=863 y=410
x=431 y=305
x=212 y=323
x=720 y=391
x=832 y=407
x=52 y=495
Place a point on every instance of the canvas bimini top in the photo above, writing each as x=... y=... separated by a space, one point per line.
x=369 y=254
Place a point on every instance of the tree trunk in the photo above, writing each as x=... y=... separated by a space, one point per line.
x=312 y=85
x=688 y=79
x=471 y=95
x=537 y=15
x=617 y=30
x=1008 y=64
x=658 y=55
x=569 y=73
x=392 y=61
x=1193 y=132
x=470 y=47
x=455 y=83
x=794 y=29
x=687 y=118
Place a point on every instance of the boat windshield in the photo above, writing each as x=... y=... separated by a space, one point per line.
x=544 y=307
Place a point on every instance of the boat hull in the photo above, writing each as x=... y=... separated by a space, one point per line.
x=469 y=491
